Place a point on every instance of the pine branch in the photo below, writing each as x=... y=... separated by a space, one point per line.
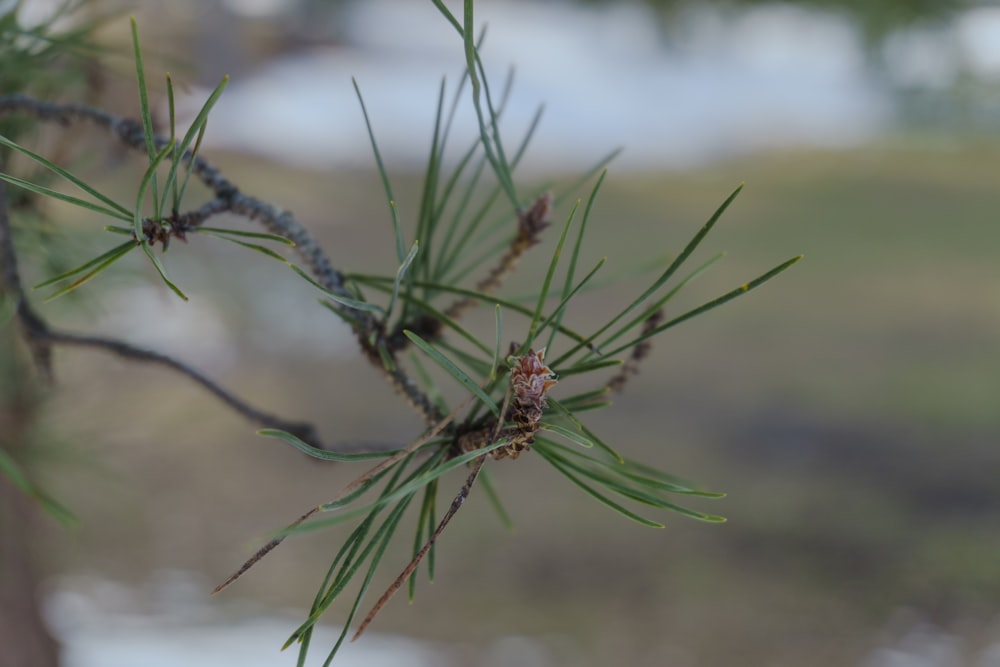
x=367 y=327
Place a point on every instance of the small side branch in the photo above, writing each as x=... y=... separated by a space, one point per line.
x=631 y=367
x=130 y=133
x=302 y=430
x=41 y=338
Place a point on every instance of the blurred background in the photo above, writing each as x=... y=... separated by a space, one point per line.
x=849 y=408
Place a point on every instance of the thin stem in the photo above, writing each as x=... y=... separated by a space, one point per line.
x=302 y=430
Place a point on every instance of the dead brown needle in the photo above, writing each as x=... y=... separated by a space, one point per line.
x=456 y=504
x=352 y=486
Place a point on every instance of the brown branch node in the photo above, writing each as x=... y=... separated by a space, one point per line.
x=530 y=224
x=631 y=367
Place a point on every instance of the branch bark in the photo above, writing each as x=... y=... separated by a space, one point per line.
x=24 y=637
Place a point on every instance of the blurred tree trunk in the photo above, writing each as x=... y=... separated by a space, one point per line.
x=25 y=640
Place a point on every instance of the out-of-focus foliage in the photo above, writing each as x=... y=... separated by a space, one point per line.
x=875 y=18
x=50 y=56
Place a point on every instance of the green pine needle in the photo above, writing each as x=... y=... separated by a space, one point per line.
x=10 y=469
x=145 y=113
x=384 y=174
x=714 y=303
x=323 y=454
x=111 y=208
x=453 y=370
x=93 y=267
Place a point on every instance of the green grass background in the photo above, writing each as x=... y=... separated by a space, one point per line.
x=849 y=408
